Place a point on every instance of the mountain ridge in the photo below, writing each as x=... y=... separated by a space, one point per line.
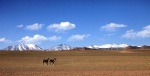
x=23 y=47
x=107 y=46
x=60 y=47
x=63 y=47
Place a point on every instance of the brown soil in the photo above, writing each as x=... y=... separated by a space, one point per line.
x=76 y=63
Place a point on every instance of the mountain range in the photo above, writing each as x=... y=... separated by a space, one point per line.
x=62 y=47
x=23 y=47
x=108 y=46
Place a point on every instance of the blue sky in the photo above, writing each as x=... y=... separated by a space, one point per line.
x=74 y=22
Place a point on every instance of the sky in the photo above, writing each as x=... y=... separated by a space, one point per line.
x=48 y=23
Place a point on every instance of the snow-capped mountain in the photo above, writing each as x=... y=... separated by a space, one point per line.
x=108 y=46
x=60 y=47
x=33 y=47
x=23 y=47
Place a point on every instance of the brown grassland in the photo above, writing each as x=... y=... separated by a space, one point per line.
x=76 y=63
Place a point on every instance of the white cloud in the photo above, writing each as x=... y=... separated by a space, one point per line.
x=109 y=34
x=35 y=26
x=145 y=33
x=112 y=26
x=5 y=40
x=63 y=26
x=77 y=37
x=130 y=34
x=37 y=39
x=2 y=39
x=19 y=26
x=54 y=38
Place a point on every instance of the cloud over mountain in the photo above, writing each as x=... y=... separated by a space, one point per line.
x=37 y=39
x=63 y=26
x=35 y=26
x=112 y=26
x=145 y=33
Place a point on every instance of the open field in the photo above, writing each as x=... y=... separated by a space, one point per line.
x=76 y=63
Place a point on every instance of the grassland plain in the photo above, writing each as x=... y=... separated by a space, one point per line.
x=76 y=63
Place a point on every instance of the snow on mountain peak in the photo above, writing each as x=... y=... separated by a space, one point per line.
x=60 y=47
x=30 y=45
x=23 y=47
x=108 y=46
x=33 y=47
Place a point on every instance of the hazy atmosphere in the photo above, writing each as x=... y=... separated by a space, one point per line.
x=74 y=22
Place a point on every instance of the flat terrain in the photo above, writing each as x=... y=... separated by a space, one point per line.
x=76 y=63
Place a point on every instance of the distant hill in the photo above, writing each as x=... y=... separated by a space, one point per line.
x=61 y=47
x=64 y=47
x=108 y=46
x=137 y=47
x=23 y=47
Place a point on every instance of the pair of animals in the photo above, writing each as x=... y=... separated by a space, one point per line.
x=52 y=61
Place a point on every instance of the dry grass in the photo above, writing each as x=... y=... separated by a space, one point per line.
x=76 y=63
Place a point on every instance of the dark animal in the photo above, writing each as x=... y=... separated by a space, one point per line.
x=45 y=61
x=52 y=61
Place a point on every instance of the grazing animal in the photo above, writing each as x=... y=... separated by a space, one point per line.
x=45 y=61
x=52 y=61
